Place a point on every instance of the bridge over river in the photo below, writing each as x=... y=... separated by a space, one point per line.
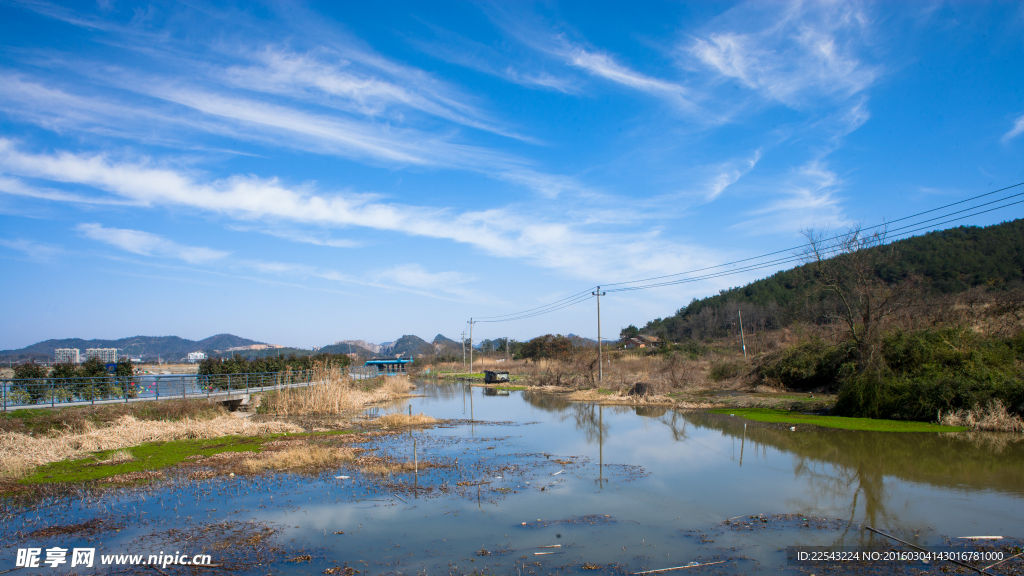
x=53 y=392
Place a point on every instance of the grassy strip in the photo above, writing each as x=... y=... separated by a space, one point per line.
x=866 y=424
x=149 y=457
x=511 y=388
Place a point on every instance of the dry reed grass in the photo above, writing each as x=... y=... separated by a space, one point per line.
x=993 y=417
x=399 y=420
x=335 y=394
x=305 y=457
x=119 y=456
x=19 y=453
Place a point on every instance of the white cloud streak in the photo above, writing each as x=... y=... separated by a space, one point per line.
x=1017 y=130
x=500 y=232
x=147 y=244
x=34 y=250
x=805 y=52
x=808 y=200
x=730 y=173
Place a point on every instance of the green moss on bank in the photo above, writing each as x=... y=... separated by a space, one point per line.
x=865 y=424
x=150 y=457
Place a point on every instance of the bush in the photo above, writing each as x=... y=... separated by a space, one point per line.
x=811 y=365
x=30 y=392
x=269 y=364
x=724 y=370
x=547 y=346
x=937 y=371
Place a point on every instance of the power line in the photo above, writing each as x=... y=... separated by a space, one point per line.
x=754 y=265
x=797 y=258
x=836 y=236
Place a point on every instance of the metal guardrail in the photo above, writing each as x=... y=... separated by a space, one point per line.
x=52 y=392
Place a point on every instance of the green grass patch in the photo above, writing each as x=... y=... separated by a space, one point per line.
x=866 y=424
x=511 y=388
x=150 y=457
x=606 y=391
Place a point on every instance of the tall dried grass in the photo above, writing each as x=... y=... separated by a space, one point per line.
x=19 y=453
x=398 y=420
x=993 y=417
x=305 y=457
x=336 y=393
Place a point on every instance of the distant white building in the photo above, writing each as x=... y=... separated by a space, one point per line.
x=106 y=355
x=65 y=355
x=194 y=357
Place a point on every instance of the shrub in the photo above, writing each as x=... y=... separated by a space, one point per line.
x=811 y=365
x=724 y=370
x=930 y=372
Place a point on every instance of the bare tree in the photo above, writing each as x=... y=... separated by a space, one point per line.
x=858 y=267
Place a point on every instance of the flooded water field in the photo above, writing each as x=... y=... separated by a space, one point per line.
x=527 y=483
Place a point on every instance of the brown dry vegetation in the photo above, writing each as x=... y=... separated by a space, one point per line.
x=305 y=457
x=993 y=417
x=399 y=420
x=19 y=453
x=76 y=432
x=336 y=394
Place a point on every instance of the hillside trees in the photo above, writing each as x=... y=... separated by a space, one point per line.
x=862 y=271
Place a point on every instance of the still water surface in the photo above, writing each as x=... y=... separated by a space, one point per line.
x=631 y=488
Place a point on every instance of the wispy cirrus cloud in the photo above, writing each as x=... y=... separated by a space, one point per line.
x=503 y=232
x=300 y=236
x=808 y=199
x=795 y=55
x=606 y=66
x=328 y=78
x=730 y=172
x=148 y=244
x=36 y=251
x=1017 y=130
x=457 y=49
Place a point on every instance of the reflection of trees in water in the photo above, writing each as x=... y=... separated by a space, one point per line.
x=849 y=468
x=586 y=416
x=546 y=402
x=442 y=391
x=675 y=422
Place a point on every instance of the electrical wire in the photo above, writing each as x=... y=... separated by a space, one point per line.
x=888 y=232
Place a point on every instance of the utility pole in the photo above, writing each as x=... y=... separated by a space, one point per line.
x=508 y=354
x=600 y=362
x=463 y=349
x=744 y=342
x=470 y=345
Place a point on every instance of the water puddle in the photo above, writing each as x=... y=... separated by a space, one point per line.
x=527 y=483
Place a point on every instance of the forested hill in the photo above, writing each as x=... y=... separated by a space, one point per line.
x=168 y=347
x=948 y=261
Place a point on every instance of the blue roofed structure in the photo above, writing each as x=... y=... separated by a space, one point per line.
x=390 y=366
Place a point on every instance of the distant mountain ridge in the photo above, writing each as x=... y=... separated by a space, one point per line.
x=167 y=347
x=174 y=348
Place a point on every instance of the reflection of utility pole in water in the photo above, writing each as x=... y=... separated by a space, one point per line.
x=743 y=442
x=600 y=442
x=600 y=446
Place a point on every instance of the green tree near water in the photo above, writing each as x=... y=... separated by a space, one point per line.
x=30 y=370
x=547 y=346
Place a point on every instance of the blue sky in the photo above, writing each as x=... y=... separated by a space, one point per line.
x=306 y=173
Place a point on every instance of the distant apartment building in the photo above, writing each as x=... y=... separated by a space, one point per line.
x=65 y=355
x=194 y=357
x=106 y=355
